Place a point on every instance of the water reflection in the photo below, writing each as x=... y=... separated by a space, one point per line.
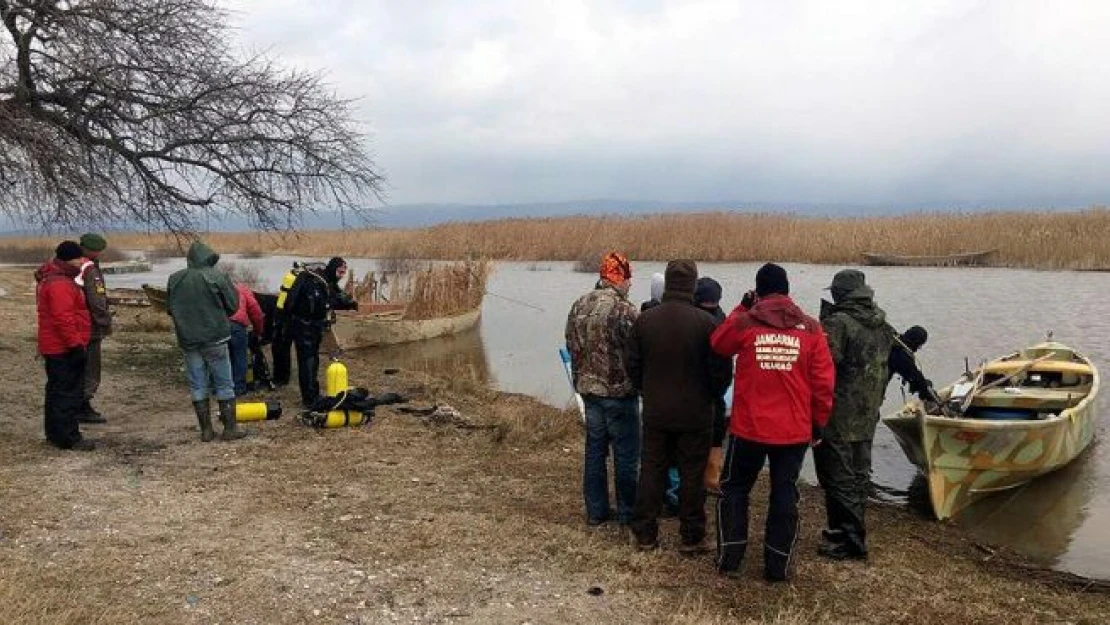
x=460 y=357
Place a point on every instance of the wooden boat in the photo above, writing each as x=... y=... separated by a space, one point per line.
x=1002 y=425
x=968 y=259
x=156 y=295
x=126 y=266
x=371 y=328
x=127 y=297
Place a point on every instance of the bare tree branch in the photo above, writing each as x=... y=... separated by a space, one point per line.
x=138 y=110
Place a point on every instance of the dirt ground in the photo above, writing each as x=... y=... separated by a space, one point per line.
x=470 y=520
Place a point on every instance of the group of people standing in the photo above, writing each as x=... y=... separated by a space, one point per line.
x=798 y=382
x=215 y=319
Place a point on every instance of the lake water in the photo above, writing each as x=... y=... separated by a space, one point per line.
x=1060 y=520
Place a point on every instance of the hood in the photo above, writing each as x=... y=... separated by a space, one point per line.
x=681 y=278
x=201 y=256
x=657 y=286
x=333 y=266
x=56 y=267
x=859 y=306
x=777 y=311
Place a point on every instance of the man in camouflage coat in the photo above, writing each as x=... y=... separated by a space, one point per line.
x=598 y=332
x=859 y=341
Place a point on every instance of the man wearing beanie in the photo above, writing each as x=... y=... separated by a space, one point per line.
x=903 y=361
x=681 y=379
x=860 y=341
x=598 y=330
x=63 y=334
x=96 y=298
x=782 y=397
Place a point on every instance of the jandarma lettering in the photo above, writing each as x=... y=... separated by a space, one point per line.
x=778 y=339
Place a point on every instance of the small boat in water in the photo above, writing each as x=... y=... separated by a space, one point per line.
x=1000 y=426
x=967 y=259
x=370 y=328
x=125 y=266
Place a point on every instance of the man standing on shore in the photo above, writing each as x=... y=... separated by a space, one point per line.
x=96 y=297
x=598 y=332
x=200 y=298
x=63 y=334
x=860 y=341
x=670 y=362
x=782 y=395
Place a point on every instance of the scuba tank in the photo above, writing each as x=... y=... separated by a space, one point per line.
x=257 y=410
x=287 y=283
x=336 y=386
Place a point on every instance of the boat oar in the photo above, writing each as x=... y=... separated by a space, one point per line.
x=564 y=355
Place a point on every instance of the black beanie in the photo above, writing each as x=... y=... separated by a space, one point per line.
x=708 y=291
x=68 y=250
x=771 y=279
x=915 y=337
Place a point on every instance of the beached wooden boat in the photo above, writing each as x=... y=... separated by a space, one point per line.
x=156 y=295
x=1013 y=419
x=967 y=259
x=126 y=266
x=354 y=329
x=127 y=297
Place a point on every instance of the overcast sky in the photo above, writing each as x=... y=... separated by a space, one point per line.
x=940 y=102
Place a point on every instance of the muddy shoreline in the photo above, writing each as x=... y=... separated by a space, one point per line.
x=473 y=520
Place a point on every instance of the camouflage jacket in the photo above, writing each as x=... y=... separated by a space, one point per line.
x=598 y=332
x=859 y=341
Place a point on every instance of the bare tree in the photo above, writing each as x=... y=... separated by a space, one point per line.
x=140 y=110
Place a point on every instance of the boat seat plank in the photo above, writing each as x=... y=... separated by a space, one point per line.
x=1031 y=398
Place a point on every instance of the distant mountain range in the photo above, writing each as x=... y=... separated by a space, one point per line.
x=422 y=215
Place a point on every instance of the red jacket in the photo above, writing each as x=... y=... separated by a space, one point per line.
x=64 y=321
x=249 y=314
x=784 y=373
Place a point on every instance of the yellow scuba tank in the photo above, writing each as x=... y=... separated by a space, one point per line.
x=287 y=283
x=257 y=410
x=337 y=383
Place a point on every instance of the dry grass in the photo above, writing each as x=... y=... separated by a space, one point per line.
x=41 y=251
x=446 y=290
x=246 y=274
x=1047 y=240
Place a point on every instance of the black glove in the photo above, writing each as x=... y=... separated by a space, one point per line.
x=818 y=434
x=748 y=300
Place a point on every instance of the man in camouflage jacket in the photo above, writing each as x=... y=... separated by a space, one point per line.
x=859 y=341
x=598 y=331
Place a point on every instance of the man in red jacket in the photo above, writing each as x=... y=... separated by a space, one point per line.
x=64 y=330
x=782 y=397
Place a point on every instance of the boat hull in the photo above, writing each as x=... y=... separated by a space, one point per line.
x=355 y=329
x=951 y=260
x=967 y=459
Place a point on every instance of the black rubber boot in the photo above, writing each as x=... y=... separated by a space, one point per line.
x=227 y=417
x=89 y=414
x=204 y=418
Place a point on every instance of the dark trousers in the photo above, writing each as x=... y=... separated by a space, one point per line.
x=65 y=380
x=237 y=351
x=91 y=382
x=662 y=449
x=306 y=338
x=844 y=472
x=743 y=461
x=280 y=352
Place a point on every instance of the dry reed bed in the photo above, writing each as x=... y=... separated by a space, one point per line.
x=1044 y=240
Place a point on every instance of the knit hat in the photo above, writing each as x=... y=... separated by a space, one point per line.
x=658 y=280
x=708 y=291
x=680 y=278
x=771 y=278
x=615 y=268
x=67 y=251
x=93 y=242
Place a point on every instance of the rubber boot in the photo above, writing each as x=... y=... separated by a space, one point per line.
x=204 y=418
x=227 y=416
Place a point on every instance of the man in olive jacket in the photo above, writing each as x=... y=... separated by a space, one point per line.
x=96 y=296
x=681 y=379
x=859 y=341
x=200 y=299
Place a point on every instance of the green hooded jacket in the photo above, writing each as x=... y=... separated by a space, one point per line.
x=859 y=341
x=200 y=298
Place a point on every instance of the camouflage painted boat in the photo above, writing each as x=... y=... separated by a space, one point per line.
x=1018 y=417
x=966 y=259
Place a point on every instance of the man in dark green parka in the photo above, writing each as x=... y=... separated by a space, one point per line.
x=859 y=341
x=200 y=299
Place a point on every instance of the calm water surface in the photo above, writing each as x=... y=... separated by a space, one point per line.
x=1060 y=520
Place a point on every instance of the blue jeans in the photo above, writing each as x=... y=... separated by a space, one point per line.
x=207 y=367
x=237 y=350
x=612 y=423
